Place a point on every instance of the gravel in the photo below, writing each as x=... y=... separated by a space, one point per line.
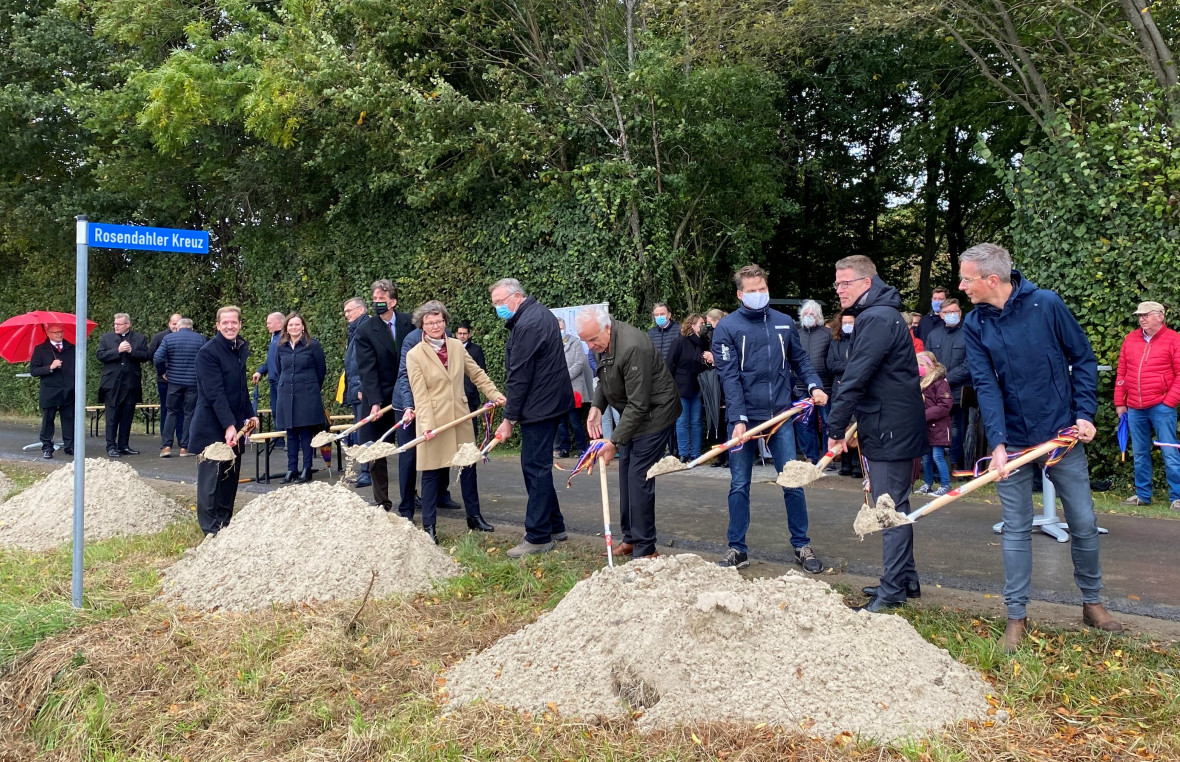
x=6 y=486
x=677 y=639
x=305 y=543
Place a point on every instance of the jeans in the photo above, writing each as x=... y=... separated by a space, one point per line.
x=610 y=419
x=542 y=514
x=567 y=425
x=812 y=438
x=741 y=465
x=1162 y=419
x=688 y=427
x=936 y=458
x=1071 y=478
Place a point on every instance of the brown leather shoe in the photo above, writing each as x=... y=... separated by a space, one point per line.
x=622 y=549
x=1096 y=615
x=1013 y=634
x=653 y=554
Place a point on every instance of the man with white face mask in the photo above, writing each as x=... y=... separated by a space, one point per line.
x=755 y=350
x=815 y=337
x=946 y=342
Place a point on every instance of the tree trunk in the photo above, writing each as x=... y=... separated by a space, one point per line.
x=930 y=194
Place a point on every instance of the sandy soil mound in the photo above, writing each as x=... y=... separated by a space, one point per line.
x=684 y=640
x=6 y=486
x=117 y=503
x=306 y=543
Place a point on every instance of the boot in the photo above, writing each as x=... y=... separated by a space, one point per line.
x=305 y=476
x=1013 y=634
x=1096 y=615
x=429 y=529
x=290 y=477
x=477 y=523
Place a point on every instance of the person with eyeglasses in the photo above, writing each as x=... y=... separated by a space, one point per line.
x=880 y=387
x=122 y=353
x=357 y=314
x=1035 y=375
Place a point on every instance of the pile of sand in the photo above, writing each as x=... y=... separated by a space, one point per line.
x=882 y=515
x=798 y=473
x=117 y=503
x=666 y=465
x=6 y=486
x=682 y=640
x=310 y=542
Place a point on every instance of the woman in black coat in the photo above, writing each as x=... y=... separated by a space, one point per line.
x=688 y=358
x=299 y=404
x=841 y=327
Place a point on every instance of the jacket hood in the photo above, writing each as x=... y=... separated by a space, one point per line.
x=1022 y=288
x=752 y=314
x=880 y=294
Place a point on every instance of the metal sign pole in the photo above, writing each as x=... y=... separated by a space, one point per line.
x=79 y=403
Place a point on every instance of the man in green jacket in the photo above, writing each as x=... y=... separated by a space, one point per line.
x=634 y=379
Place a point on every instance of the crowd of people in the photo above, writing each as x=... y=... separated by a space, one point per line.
x=1019 y=359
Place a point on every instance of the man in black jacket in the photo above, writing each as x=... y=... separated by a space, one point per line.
x=223 y=407
x=122 y=353
x=378 y=356
x=463 y=334
x=539 y=394
x=161 y=380
x=947 y=343
x=53 y=363
x=633 y=378
x=880 y=387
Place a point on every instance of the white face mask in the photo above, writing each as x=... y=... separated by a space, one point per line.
x=809 y=321
x=755 y=300
x=951 y=318
x=846 y=328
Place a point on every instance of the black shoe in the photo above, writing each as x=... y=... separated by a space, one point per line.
x=845 y=469
x=451 y=505
x=806 y=558
x=128 y=451
x=477 y=523
x=429 y=529
x=857 y=473
x=878 y=606
x=304 y=477
x=417 y=503
x=735 y=559
x=47 y=454
x=290 y=477
x=912 y=590
x=68 y=450
x=113 y=454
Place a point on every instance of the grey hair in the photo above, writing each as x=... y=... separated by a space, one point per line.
x=859 y=264
x=991 y=260
x=184 y=323
x=277 y=316
x=811 y=307
x=657 y=305
x=124 y=316
x=357 y=301
x=433 y=307
x=511 y=285
x=597 y=314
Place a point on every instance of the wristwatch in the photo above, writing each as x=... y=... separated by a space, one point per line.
x=510 y=423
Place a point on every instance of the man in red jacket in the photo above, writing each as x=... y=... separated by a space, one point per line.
x=1147 y=389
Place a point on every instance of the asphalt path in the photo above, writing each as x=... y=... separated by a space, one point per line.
x=955 y=547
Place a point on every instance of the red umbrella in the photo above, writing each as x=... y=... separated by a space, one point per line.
x=18 y=335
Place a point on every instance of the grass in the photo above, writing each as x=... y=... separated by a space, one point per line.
x=130 y=679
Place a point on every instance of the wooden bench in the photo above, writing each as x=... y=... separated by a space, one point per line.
x=151 y=414
x=267 y=442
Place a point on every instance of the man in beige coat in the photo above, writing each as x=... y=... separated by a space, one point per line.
x=436 y=368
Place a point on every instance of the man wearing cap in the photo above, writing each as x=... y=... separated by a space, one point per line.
x=1147 y=389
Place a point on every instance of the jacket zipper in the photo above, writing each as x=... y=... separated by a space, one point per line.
x=1139 y=381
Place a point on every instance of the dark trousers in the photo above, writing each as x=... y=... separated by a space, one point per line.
x=182 y=401
x=569 y=426
x=892 y=477
x=299 y=441
x=434 y=487
x=217 y=488
x=67 y=427
x=542 y=514
x=162 y=392
x=958 y=434
x=637 y=493
x=355 y=437
x=119 y=419
x=407 y=469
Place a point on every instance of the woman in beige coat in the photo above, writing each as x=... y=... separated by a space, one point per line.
x=436 y=368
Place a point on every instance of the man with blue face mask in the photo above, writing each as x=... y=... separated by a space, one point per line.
x=755 y=350
x=933 y=318
x=947 y=344
x=664 y=334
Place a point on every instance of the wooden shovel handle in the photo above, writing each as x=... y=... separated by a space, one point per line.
x=430 y=434
x=826 y=460
x=980 y=481
x=716 y=450
x=492 y=445
x=610 y=556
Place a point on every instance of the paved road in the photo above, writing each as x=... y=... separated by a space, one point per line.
x=954 y=547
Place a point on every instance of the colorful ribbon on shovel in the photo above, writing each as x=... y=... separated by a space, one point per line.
x=802 y=417
x=585 y=463
x=1065 y=441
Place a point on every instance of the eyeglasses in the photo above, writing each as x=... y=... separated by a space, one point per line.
x=969 y=281
x=433 y=323
x=846 y=283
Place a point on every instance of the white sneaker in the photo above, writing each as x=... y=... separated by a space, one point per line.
x=925 y=489
x=1134 y=500
x=1175 y=506
x=526 y=548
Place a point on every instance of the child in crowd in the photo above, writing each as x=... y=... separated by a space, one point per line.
x=936 y=393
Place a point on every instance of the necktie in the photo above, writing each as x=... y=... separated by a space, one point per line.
x=393 y=332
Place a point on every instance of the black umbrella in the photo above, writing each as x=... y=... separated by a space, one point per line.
x=711 y=402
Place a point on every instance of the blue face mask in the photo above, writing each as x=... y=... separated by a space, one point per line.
x=755 y=300
x=951 y=318
x=503 y=312
x=935 y=305
x=661 y=320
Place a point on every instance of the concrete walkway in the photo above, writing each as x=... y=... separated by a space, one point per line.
x=955 y=548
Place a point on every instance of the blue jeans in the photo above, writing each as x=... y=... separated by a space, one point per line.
x=1071 y=478
x=610 y=419
x=936 y=458
x=542 y=514
x=688 y=427
x=741 y=465
x=567 y=425
x=1141 y=422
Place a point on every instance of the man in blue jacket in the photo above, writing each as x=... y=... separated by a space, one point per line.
x=1034 y=374
x=177 y=357
x=539 y=393
x=274 y=324
x=755 y=350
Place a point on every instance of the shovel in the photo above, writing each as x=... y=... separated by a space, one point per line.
x=610 y=557
x=799 y=474
x=883 y=516
x=327 y=437
x=222 y=452
x=672 y=464
x=469 y=454
x=370 y=455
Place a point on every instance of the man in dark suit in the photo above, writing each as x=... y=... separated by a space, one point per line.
x=378 y=355
x=122 y=353
x=53 y=363
x=463 y=334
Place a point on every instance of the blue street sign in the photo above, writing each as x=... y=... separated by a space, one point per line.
x=149 y=239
